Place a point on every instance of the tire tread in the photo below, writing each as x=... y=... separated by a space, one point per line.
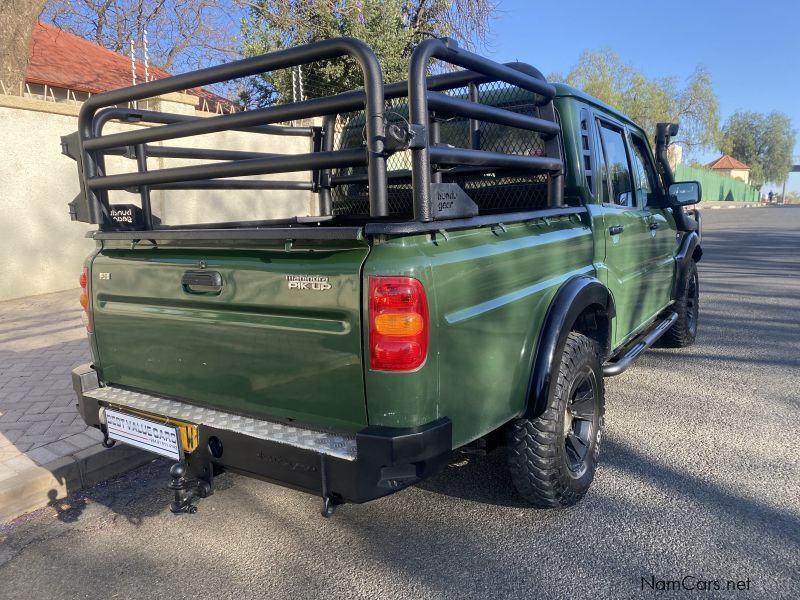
x=533 y=444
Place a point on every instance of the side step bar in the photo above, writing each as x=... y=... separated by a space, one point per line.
x=626 y=360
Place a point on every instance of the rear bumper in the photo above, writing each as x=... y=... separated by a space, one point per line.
x=374 y=462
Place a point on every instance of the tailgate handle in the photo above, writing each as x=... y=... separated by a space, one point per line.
x=206 y=281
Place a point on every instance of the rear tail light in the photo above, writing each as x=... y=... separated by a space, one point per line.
x=85 y=300
x=398 y=324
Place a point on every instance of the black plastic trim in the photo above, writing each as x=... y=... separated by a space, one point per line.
x=409 y=227
x=572 y=298
x=313 y=232
x=202 y=278
x=267 y=233
x=689 y=249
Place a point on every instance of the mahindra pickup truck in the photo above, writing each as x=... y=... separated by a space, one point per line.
x=484 y=248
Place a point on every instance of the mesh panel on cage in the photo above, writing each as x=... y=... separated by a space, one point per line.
x=492 y=190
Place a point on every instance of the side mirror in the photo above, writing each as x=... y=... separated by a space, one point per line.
x=685 y=193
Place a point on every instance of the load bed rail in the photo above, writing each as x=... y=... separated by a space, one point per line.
x=430 y=101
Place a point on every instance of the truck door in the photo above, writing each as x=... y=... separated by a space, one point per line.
x=627 y=232
x=660 y=264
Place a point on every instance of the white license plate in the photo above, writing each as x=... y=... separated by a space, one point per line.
x=144 y=433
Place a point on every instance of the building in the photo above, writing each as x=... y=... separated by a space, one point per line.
x=63 y=67
x=730 y=167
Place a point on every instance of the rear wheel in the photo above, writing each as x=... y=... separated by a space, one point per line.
x=553 y=458
x=687 y=305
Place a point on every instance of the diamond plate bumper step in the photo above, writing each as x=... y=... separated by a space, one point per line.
x=339 y=446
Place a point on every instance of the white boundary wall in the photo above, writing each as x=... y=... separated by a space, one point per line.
x=42 y=250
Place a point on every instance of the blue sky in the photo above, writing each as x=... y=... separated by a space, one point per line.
x=751 y=49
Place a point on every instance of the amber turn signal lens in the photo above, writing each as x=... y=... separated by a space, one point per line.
x=398 y=324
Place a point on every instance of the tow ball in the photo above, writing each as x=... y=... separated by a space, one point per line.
x=188 y=490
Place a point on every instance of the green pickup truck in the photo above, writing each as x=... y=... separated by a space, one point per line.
x=484 y=249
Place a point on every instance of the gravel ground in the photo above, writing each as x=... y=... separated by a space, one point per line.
x=699 y=483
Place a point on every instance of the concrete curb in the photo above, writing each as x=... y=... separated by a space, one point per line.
x=40 y=485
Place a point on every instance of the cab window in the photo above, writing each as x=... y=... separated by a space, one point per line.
x=647 y=188
x=617 y=172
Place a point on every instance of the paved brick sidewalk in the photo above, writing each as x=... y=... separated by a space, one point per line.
x=44 y=445
x=41 y=339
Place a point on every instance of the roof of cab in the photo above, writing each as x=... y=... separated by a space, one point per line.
x=563 y=90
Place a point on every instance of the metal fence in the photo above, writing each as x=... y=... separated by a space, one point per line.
x=718 y=187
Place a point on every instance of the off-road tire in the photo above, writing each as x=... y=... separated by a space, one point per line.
x=687 y=305
x=540 y=462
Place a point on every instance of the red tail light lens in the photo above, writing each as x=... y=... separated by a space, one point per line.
x=398 y=324
x=85 y=300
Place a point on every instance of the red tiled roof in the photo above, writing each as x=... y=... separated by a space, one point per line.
x=727 y=162
x=63 y=60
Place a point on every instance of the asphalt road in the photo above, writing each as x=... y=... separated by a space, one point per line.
x=700 y=478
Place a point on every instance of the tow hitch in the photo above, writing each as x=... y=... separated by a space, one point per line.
x=188 y=490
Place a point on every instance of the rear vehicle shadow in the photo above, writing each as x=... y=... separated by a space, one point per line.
x=123 y=494
x=483 y=479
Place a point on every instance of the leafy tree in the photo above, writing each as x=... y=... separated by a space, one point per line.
x=792 y=198
x=648 y=101
x=391 y=27
x=17 y=18
x=181 y=35
x=764 y=142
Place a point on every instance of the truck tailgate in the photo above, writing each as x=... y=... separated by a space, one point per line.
x=279 y=338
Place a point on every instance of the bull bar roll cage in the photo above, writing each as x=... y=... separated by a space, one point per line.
x=89 y=146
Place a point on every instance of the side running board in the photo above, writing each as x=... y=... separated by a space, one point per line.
x=632 y=353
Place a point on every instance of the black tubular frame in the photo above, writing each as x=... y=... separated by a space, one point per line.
x=425 y=98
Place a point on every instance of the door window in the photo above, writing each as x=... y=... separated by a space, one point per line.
x=647 y=189
x=617 y=172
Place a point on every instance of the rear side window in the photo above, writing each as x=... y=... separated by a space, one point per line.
x=617 y=167
x=647 y=189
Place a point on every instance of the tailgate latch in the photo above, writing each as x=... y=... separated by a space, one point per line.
x=201 y=282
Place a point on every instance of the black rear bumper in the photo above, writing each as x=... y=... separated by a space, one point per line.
x=388 y=459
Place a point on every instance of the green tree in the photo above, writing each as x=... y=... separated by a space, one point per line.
x=648 y=101
x=792 y=198
x=391 y=27
x=762 y=141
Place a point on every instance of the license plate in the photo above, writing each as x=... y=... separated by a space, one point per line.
x=143 y=433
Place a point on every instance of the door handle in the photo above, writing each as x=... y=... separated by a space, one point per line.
x=201 y=282
x=616 y=229
x=653 y=225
